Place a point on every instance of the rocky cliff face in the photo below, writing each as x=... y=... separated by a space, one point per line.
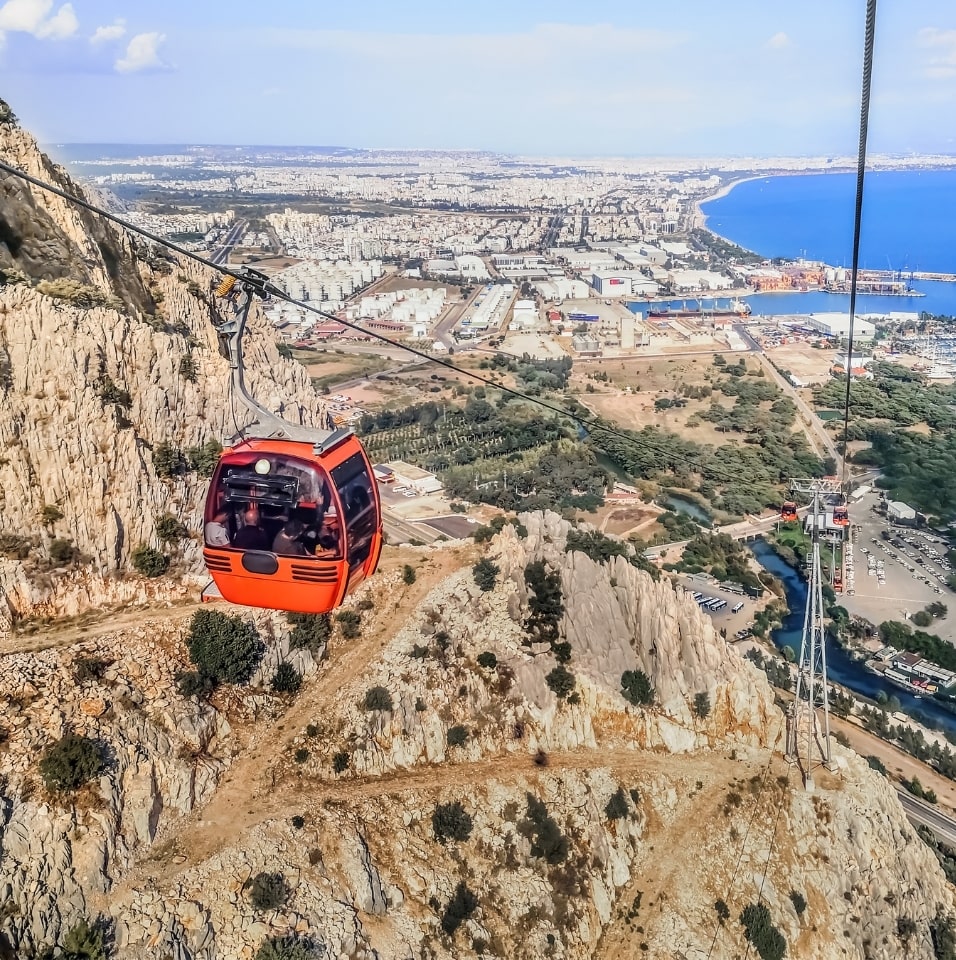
x=94 y=329
x=595 y=828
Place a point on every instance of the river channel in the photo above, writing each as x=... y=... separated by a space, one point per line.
x=841 y=668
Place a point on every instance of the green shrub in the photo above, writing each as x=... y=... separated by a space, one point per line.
x=298 y=822
x=169 y=529
x=268 y=891
x=203 y=460
x=289 y=947
x=194 y=683
x=224 y=648
x=70 y=762
x=88 y=668
x=545 y=602
x=311 y=730
x=636 y=687
x=301 y=755
x=109 y=392
x=723 y=911
x=457 y=736
x=876 y=764
x=799 y=902
x=286 y=679
x=62 y=551
x=168 y=461
x=760 y=931
x=311 y=631
x=341 y=761
x=86 y=941
x=487 y=660
x=702 y=705
x=617 y=808
x=378 y=698
x=188 y=369
x=922 y=618
x=350 y=623
x=560 y=681
x=461 y=906
x=50 y=514
x=149 y=562
x=486 y=574
x=450 y=821
x=408 y=575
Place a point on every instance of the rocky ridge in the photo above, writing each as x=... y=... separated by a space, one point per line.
x=94 y=331
x=705 y=809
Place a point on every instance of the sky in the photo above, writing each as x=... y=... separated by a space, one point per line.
x=598 y=78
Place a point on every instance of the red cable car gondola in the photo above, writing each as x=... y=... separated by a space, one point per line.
x=293 y=519
x=788 y=512
x=841 y=516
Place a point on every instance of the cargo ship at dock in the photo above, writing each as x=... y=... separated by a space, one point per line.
x=735 y=309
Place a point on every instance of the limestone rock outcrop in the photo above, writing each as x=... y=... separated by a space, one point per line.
x=94 y=331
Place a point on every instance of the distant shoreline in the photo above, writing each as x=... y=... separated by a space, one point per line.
x=722 y=192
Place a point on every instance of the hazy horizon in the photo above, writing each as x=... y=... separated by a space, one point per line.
x=555 y=78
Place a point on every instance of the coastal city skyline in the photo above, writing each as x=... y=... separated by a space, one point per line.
x=609 y=79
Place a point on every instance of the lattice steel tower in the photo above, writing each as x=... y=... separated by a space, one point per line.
x=808 y=733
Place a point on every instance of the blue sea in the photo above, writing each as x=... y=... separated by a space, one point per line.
x=909 y=223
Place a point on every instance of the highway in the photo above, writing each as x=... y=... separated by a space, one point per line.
x=820 y=439
x=221 y=253
x=921 y=813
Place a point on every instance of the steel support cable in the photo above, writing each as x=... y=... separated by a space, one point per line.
x=858 y=214
x=270 y=289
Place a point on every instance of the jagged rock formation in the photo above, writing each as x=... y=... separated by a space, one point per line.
x=596 y=827
x=656 y=813
x=86 y=316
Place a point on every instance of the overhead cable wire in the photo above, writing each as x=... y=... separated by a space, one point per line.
x=268 y=288
x=858 y=215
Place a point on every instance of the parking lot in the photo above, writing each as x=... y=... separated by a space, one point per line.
x=895 y=578
x=725 y=618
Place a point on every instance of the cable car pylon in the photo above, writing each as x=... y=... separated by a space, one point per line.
x=808 y=723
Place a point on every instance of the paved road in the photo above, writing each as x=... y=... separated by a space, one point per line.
x=221 y=253
x=819 y=438
x=925 y=814
x=445 y=326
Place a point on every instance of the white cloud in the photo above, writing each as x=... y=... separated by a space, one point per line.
x=778 y=41
x=107 y=34
x=942 y=64
x=142 y=53
x=33 y=17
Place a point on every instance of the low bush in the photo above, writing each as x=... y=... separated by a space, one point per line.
x=450 y=821
x=702 y=705
x=225 y=648
x=636 y=687
x=768 y=941
x=194 y=683
x=310 y=631
x=560 y=681
x=617 y=808
x=268 y=891
x=461 y=906
x=378 y=698
x=408 y=575
x=289 y=947
x=188 y=368
x=486 y=574
x=547 y=840
x=487 y=660
x=286 y=679
x=149 y=562
x=799 y=902
x=169 y=461
x=169 y=529
x=350 y=623
x=341 y=761
x=62 y=551
x=457 y=736
x=70 y=762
